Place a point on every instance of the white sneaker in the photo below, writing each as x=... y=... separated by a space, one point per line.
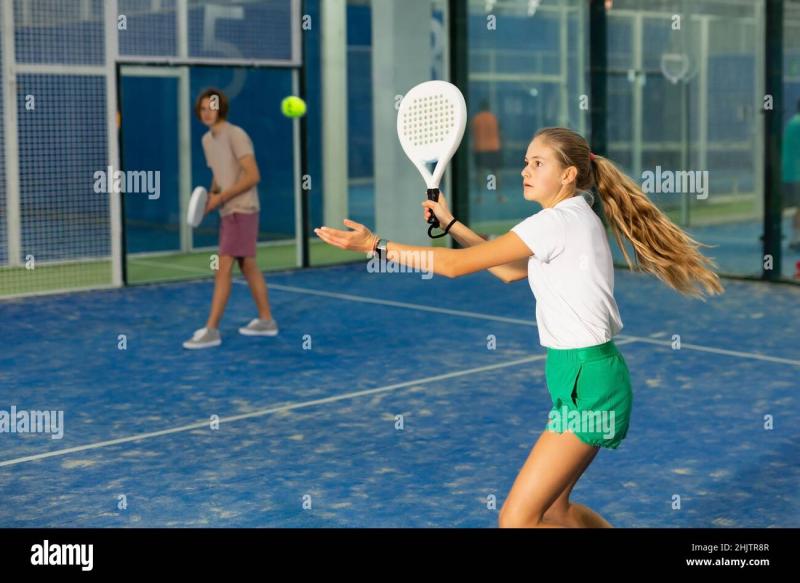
x=259 y=327
x=204 y=338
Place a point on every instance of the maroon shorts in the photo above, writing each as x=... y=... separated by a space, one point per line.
x=238 y=233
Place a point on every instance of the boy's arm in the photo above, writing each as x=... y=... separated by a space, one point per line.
x=248 y=178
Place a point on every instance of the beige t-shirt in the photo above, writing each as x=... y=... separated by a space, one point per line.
x=223 y=152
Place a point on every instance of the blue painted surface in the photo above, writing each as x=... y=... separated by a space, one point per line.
x=697 y=427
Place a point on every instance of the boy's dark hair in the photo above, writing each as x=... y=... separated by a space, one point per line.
x=221 y=99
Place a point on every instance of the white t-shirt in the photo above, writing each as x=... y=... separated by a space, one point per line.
x=571 y=274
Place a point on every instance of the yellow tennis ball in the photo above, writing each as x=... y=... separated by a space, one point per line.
x=293 y=106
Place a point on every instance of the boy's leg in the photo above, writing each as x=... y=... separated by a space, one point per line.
x=258 y=286
x=222 y=291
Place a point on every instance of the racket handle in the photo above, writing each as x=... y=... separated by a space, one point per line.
x=433 y=194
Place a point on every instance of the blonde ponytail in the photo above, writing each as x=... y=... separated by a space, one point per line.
x=660 y=247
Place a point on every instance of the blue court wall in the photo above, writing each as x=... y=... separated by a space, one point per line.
x=255 y=100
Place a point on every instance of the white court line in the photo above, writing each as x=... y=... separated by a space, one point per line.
x=466 y=314
x=423 y=308
x=724 y=351
x=419 y=307
x=205 y=424
x=363 y=299
x=209 y=272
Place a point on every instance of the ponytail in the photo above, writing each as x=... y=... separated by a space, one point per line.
x=659 y=246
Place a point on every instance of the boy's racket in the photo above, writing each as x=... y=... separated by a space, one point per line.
x=197 y=206
x=430 y=125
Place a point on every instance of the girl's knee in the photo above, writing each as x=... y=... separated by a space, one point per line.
x=504 y=520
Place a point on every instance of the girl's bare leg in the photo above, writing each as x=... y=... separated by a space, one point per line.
x=552 y=469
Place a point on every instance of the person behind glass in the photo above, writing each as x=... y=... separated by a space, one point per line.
x=229 y=153
x=487 y=149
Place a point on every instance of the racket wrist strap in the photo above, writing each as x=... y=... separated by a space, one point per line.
x=443 y=233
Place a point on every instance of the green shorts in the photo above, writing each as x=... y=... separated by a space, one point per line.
x=591 y=392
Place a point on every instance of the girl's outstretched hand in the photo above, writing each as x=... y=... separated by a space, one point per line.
x=359 y=238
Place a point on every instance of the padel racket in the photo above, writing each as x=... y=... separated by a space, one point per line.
x=430 y=124
x=197 y=206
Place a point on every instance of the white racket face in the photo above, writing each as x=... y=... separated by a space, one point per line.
x=197 y=206
x=430 y=125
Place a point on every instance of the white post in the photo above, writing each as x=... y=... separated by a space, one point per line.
x=581 y=42
x=184 y=124
x=182 y=28
x=299 y=193
x=184 y=156
x=638 y=112
x=398 y=28
x=448 y=173
x=13 y=220
x=563 y=63
x=112 y=134
x=297 y=34
x=702 y=97
x=759 y=31
x=334 y=112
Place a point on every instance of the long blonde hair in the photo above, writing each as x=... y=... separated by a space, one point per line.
x=660 y=247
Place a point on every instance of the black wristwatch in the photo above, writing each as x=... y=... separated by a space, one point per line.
x=380 y=248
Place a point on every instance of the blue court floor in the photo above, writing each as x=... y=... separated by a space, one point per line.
x=309 y=430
